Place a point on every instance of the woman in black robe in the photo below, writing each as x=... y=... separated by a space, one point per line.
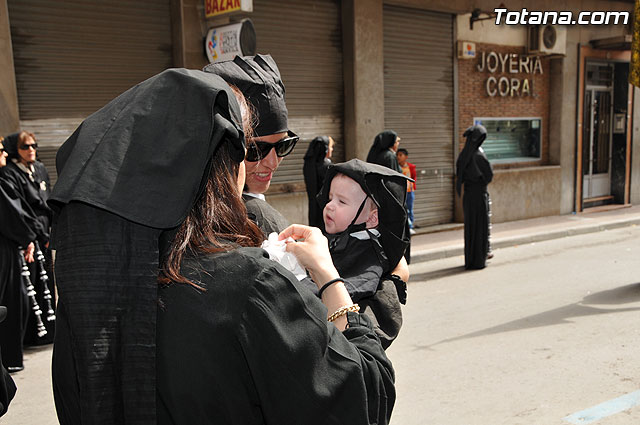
x=17 y=232
x=383 y=150
x=475 y=173
x=316 y=161
x=31 y=179
x=229 y=336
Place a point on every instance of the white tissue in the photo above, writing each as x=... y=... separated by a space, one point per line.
x=278 y=253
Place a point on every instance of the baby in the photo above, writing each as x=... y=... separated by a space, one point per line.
x=365 y=222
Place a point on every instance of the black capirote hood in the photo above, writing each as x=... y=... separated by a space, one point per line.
x=258 y=78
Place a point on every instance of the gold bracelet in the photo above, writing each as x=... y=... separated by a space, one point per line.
x=344 y=310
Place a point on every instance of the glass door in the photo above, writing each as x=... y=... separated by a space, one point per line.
x=596 y=143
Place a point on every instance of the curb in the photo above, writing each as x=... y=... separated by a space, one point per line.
x=456 y=250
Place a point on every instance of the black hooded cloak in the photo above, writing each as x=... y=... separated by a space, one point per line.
x=380 y=152
x=366 y=257
x=314 y=170
x=475 y=173
x=130 y=171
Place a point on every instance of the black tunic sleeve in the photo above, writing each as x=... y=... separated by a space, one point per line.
x=389 y=160
x=305 y=370
x=484 y=166
x=267 y=218
x=17 y=224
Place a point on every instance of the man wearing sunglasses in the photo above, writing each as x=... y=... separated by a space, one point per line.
x=258 y=78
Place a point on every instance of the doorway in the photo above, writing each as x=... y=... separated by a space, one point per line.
x=604 y=130
x=596 y=144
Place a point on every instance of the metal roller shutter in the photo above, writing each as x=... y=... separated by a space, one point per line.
x=418 y=101
x=305 y=39
x=72 y=57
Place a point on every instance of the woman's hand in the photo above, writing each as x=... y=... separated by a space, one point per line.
x=312 y=251
x=28 y=253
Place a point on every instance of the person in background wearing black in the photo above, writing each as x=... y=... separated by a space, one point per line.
x=475 y=173
x=383 y=150
x=18 y=230
x=316 y=161
x=31 y=179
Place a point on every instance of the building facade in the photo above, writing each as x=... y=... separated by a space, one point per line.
x=562 y=133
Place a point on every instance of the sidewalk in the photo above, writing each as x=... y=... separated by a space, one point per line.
x=432 y=243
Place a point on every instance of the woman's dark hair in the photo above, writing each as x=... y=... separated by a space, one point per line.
x=217 y=222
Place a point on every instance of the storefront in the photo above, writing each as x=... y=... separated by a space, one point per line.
x=558 y=115
x=559 y=118
x=505 y=88
x=603 y=166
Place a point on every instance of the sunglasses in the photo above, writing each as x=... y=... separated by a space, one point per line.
x=2 y=150
x=28 y=146
x=258 y=150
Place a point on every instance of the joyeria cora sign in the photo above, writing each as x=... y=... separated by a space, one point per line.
x=509 y=63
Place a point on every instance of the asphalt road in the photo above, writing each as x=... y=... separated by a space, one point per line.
x=547 y=330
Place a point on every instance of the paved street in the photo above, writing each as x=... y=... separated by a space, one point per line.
x=547 y=330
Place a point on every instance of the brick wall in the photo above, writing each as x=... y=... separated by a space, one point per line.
x=475 y=102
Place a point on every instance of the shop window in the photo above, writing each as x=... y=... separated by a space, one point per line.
x=512 y=139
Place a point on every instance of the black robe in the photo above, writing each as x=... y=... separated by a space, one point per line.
x=131 y=172
x=314 y=170
x=380 y=152
x=18 y=228
x=265 y=353
x=267 y=218
x=7 y=386
x=36 y=193
x=475 y=173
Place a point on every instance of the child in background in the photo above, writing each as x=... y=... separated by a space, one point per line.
x=409 y=170
x=365 y=223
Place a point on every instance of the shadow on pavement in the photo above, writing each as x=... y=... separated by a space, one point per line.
x=622 y=295
x=437 y=274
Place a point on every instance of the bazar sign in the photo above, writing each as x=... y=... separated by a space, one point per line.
x=509 y=63
x=220 y=7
